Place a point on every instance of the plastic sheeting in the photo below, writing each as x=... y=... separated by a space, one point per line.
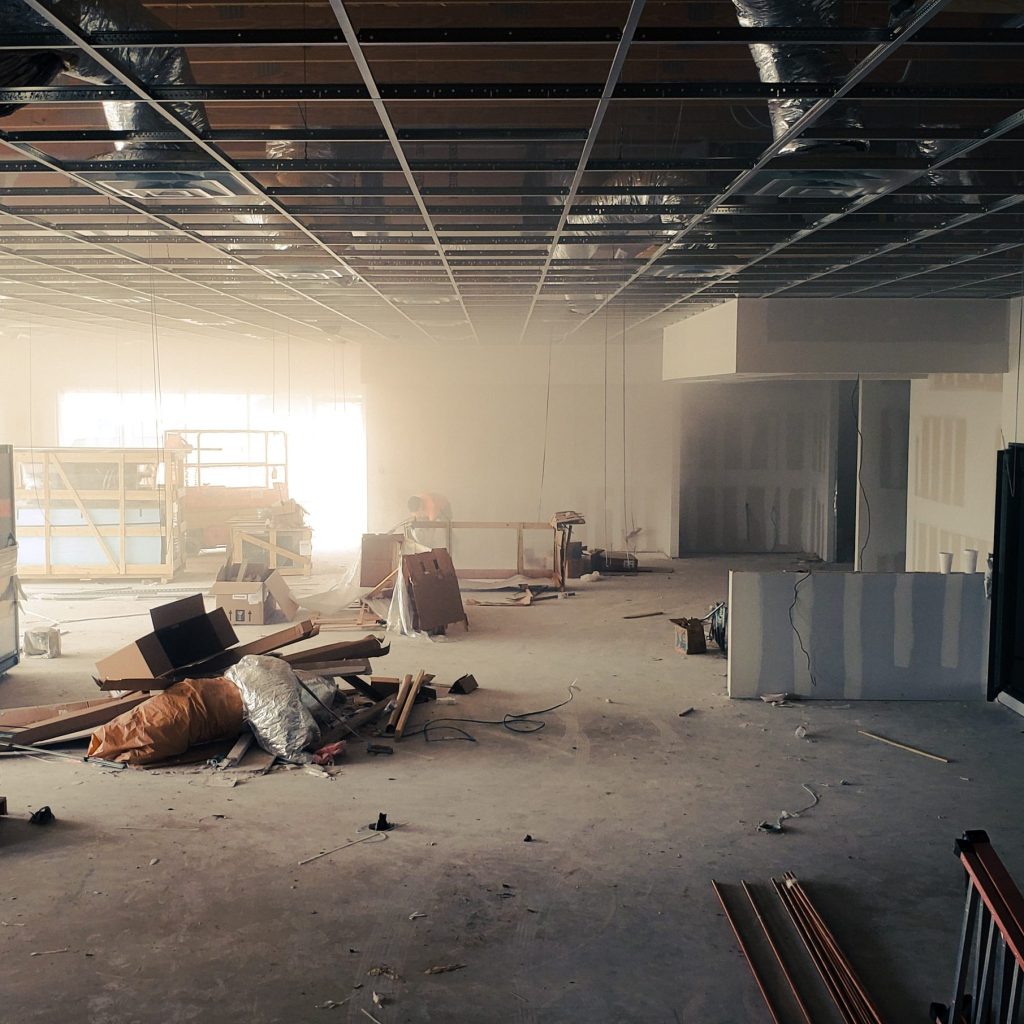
x=273 y=707
x=185 y=715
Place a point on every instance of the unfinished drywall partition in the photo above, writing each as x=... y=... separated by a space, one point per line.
x=125 y=387
x=757 y=466
x=884 y=428
x=519 y=432
x=955 y=431
x=858 y=636
x=838 y=338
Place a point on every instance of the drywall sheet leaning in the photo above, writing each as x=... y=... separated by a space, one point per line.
x=868 y=636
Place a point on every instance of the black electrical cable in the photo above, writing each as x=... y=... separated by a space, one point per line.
x=800 y=640
x=527 y=722
x=718 y=625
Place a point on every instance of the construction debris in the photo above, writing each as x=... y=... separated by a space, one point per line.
x=905 y=746
x=253 y=595
x=780 y=972
x=690 y=637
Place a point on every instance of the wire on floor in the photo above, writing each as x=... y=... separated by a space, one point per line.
x=527 y=722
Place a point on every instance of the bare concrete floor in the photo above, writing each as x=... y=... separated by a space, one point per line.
x=607 y=917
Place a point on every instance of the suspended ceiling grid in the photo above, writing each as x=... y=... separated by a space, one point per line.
x=507 y=172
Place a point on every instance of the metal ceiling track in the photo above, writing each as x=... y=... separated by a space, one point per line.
x=862 y=70
x=351 y=37
x=139 y=92
x=527 y=36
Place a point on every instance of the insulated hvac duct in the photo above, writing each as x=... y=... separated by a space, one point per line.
x=151 y=66
x=788 y=62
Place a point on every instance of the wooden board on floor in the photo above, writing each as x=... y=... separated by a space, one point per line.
x=19 y=718
x=87 y=718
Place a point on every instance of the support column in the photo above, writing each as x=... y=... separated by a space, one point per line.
x=884 y=420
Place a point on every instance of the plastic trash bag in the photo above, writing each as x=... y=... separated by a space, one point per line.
x=187 y=714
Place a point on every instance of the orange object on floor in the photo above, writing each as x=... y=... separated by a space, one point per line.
x=185 y=715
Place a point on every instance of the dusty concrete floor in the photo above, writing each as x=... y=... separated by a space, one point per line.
x=607 y=917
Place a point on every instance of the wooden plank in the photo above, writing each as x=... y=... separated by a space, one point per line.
x=408 y=705
x=335 y=668
x=401 y=699
x=85 y=512
x=339 y=730
x=365 y=688
x=18 y=718
x=87 y=718
x=239 y=750
x=368 y=647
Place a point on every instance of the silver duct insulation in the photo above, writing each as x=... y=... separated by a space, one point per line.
x=777 y=62
x=273 y=706
x=151 y=66
x=631 y=205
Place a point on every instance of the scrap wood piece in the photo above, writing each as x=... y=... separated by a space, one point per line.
x=345 y=650
x=444 y=969
x=334 y=668
x=410 y=700
x=20 y=717
x=88 y=718
x=904 y=746
x=464 y=684
x=643 y=615
x=353 y=722
x=400 y=701
x=239 y=750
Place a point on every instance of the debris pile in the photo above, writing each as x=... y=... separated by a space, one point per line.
x=189 y=693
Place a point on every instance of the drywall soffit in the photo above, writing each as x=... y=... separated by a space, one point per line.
x=822 y=339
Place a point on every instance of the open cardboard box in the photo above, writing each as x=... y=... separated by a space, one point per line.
x=186 y=641
x=252 y=594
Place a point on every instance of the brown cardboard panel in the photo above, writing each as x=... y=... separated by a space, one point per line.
x=282 y=594
x=175 y=612
x=253 y=594
x=181 y=638
x=434 y=589
x=368 y=647
x=18 y=718
x=379 y=557
x=215 y=665
x=87 y=718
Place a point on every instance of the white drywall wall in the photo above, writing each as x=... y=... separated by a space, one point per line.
x=756 y=466
x=703 y=345
x=867 y=636
x=884 y=426
x=955 y=431
x=481 y=425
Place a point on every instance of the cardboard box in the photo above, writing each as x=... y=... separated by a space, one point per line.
x=378 y=558
x=690 y=637
x=253 y=595
x=433 y=590
x=183 y=633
